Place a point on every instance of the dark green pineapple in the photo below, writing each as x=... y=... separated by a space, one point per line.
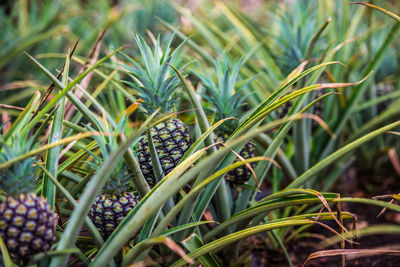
x=156 y=83
x=116 y=200
x=227 y=98
x=318 y=108
x=27 y=224
x=112 y=206
x=383 y=89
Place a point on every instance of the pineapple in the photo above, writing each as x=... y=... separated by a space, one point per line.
x=27 y=224
x=227 y=102
x=112 y=206
x=116 y=200
x=318 y=108
x=283 y=110
x=156 y=82
x=383 y=89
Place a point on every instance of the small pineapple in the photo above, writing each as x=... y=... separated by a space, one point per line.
x=27 y=224
x=381 y=90
x=283 y=110
x=317 y=109
x=116 y=201
x=156 y=82
x=227 y=103
x=112 y=206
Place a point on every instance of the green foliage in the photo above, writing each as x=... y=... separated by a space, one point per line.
x=226 y=95
x=107 y=142
x=87 y=121
x=154 y=81
x=19 y=178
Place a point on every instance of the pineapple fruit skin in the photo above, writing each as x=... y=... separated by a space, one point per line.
x=171 y=140
x=109 y=210
x=241 y=174
x=27 y=226
x=381 y=90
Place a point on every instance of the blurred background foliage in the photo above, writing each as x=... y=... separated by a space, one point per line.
x=273 y=36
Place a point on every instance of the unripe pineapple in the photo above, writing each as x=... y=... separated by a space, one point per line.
x=171 y=140
x=381 y=90
x=283 y=110
x=317 y=109
x=227 y=103
x=116 y=200
x=27 y=224
x=241 y=174
x=156 y=82
x=112 y=206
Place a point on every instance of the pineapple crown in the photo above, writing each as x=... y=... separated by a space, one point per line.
x=152 y=77
x=226 y=94
x=295 y=33
x=107 y=142
x=19 y=178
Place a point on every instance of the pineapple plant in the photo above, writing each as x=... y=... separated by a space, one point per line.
x=116 y=200
x=156 y=82
x=227 y=97
x=27 y=224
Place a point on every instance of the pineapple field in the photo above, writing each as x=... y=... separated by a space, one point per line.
x=199 y=133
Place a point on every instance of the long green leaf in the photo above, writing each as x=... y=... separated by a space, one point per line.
x=310 y=173
x=52 y=155
x=267 y=206
x=223 y=200
x=24 y=116
x=39 y=150
x=56 y=98
x=5 y=255
x=194 y=242
x=229 y=239
x=134 y=252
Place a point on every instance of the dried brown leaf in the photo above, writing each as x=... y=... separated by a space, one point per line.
x=356 y=253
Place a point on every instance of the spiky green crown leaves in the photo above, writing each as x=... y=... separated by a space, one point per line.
x=226 y=93
x=297 y=25
x=152 y=77
x=20 y=177
x=107 y=142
